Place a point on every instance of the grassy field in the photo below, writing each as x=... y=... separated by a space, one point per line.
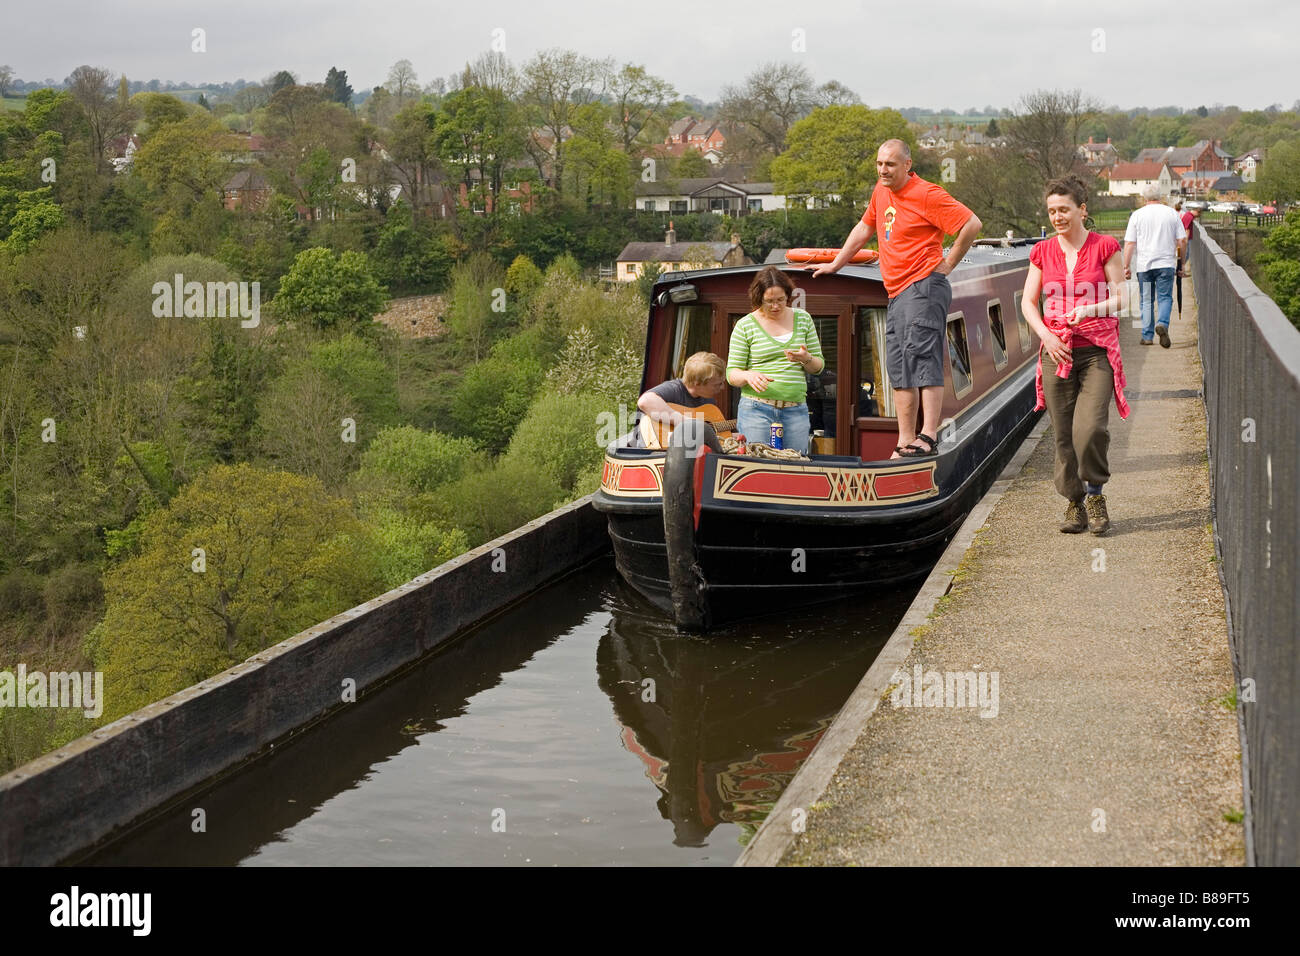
x=15 y=102
x=1110 y=220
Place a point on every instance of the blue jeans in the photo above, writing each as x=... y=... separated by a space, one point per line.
x=754 y=420
x=1161 y=282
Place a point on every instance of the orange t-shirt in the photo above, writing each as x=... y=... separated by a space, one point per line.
x=910 y=226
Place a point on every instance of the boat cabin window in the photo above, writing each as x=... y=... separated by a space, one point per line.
x=691 y=335
x=875 y=397
x=822 y=388
x=959 y=354
x=999 y=335
x=1022 y=327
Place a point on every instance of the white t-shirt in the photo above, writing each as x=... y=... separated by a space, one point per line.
x=1156 y=228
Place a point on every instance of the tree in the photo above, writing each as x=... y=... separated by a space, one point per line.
x=640 y=103
x=770 y=101
x=1281 y=264
x=1279 y=176
x=834 y=93
x=555 y=83
x=336 y=86
x=1046 y=129
x=279 y=81
x=597 y=168
x=402 y=82
x=159 y=109
x=317 y=417
x=278 y=555
x=992 y=129
x=692 y=165
x=1002 y=186
x=412 y=151
x=330 y=290
x=476 y=285
x=6 y=77
x=106 y=115
x=832 y=152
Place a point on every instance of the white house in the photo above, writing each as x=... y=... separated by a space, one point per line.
x=711 y=194
x=1129 y=179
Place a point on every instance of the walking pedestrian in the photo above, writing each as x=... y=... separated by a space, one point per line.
x=911 y=216
x=1080 y=276
x=1153 y=244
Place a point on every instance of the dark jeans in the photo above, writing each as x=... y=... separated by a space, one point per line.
x=1080 y=410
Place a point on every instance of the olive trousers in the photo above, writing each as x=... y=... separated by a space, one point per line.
x=1080 y=410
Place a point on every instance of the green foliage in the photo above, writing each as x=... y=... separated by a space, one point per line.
x=34 y=217
x=564 y=265
x=498 y=499
x=406 y=547
x=27 y=733
x=279 y=555
x=410 y=461
x=645 y=282
x=523 y=279
x=20 y=593
x=317 y=417
x=1281 y=263
x=135 y=295
x=332 y=291
x=159 y=109
x=1279 y=176
x=477 y=295
x=494 y=395
x=557 y=438
x=408 y=258
x=830 y=153
x=613 y=372
x=692 y=165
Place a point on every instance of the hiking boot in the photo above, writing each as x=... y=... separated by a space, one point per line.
x=1163 y=333
x=1145 y=342
x=1098 y=520
x=1076 y=521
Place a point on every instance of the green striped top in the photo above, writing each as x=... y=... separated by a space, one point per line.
x=752 y=349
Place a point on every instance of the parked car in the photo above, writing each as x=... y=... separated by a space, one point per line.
x=1253 y=208
x=1195 y=204
x=1224 y=207
x=1267 y=210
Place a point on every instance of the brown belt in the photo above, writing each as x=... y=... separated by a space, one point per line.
x=775 y=402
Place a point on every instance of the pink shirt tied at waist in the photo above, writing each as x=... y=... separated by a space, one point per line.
x=1063 y=291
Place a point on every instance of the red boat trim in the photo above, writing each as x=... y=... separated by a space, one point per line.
x=632 y=479
x=838 y=487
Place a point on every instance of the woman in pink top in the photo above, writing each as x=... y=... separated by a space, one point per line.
x=1081 y=277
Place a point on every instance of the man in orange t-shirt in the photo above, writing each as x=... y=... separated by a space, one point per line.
x=911 y=217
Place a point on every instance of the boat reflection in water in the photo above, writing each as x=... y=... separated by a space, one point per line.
x=722 y=724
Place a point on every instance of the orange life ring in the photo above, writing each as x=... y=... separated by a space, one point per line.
x=803 y=256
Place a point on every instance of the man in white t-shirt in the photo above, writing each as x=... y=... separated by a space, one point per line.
x=1156 y=238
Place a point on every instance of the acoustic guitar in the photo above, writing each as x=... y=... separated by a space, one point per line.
x=655 y=434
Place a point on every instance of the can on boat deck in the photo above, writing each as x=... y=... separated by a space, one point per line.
x=778 y=435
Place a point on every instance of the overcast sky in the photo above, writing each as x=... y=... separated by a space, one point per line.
x=932 y=53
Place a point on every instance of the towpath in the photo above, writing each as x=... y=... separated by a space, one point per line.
x=1114 y=740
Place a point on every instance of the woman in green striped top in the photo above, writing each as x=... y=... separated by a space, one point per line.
x=771 y=350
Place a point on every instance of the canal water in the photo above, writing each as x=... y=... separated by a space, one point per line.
x=578 y=728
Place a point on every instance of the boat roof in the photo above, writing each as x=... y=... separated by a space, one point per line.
x=983 y=255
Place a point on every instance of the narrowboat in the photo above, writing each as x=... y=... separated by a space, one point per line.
x=709 y=537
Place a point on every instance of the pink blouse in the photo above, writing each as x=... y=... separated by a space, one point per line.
x=1063 y=291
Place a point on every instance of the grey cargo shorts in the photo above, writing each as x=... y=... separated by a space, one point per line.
x=915 y=324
